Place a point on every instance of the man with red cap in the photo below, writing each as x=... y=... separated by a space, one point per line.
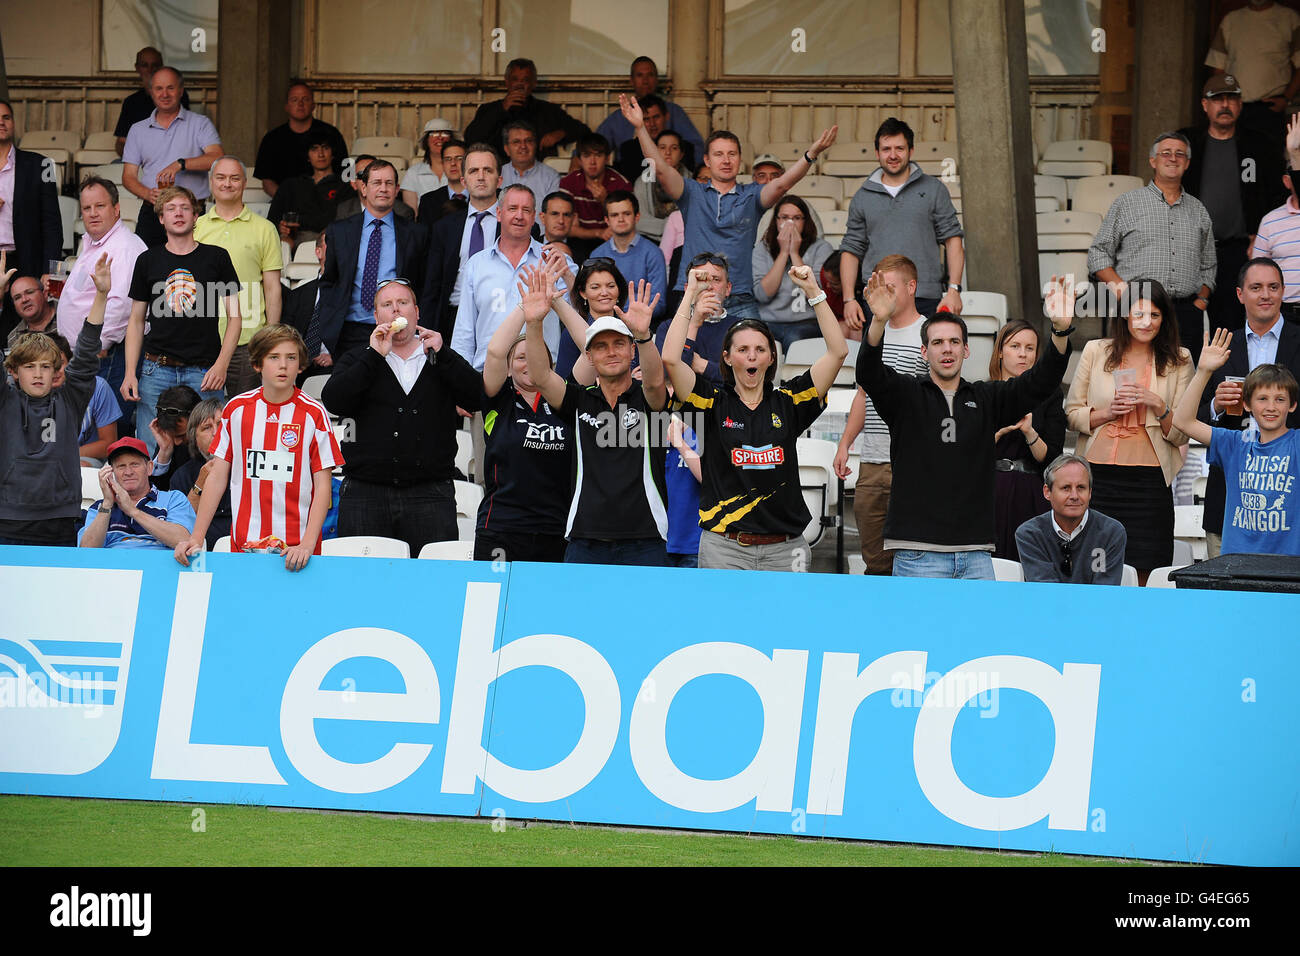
x=133 y=513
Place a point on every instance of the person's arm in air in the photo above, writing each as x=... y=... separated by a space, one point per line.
x=828 y=365
x=773 y=191
x=665 y=175
x=1214 y=353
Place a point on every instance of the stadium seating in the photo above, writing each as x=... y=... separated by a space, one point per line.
x=984 y=312
x=110 y=171
x=90 y=491
x=1159 y=578
x=1074 y=158
x=805 y=352
x=259 y=208
x=58 y=144
x=69 y=209
x=465 y=453
x=819 y=482
x=789 y=154
x=937 y=157
x=1096 y=193
x=1004 y=569
x=391 y=148
x=1053 y=188
x=258 y=195
x=1130 y=577
x=468 y=496
x=827 y=186
x=1189 y=527
x=1071 y=231
x=313 y=385
x=365 y=546
x=1062 y=264
x=850 y=159
x=448 y=551
x=222 y=545
x=98 y=148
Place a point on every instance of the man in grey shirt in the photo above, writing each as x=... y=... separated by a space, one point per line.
x=1236 y=172
x=901 y=210
x=1071 y=544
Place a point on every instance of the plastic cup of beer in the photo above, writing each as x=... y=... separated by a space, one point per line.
x=1237 y=407
x=291 y=220
x=58 y=270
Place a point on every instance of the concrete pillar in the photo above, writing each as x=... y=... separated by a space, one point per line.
x=252 y=72
x=688 y=64
x=995 y=146
x=1165 y=74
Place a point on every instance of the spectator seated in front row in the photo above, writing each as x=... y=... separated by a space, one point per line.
x=1071 y=544
x=133 y=513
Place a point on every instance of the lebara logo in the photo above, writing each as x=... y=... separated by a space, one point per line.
x=63 y=666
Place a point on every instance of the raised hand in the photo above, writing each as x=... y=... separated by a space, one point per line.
x=696 y=283
x=536 y=292
x=1215 y=352
x=381 y=339
x=802 y=277
x=824 y=142
x=430 y=341
x=631 y=110
x=1059 y=301
x=164 y=440
x=882 y=298
x=106 y=485
x=103 y=275
x=1293 y=133
x=640 y=309
x=6 y=275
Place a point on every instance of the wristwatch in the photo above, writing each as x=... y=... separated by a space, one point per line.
x=1063 y=333
x=181 y=162
x=648 y=338
x=955 y=286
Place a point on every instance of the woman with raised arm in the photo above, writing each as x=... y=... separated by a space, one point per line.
x=528 y=447
x=752 y=510
x=1121 y=403
x=618 y=513
x=1022 y=450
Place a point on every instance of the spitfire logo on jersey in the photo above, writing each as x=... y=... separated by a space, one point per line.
x=768 y=456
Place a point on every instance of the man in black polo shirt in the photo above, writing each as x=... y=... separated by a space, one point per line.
x=283 y=151
x=940 y=522
x=178 y=289
x=401 y=394
x=618 y=515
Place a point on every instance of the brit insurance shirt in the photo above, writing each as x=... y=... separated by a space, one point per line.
x=749 y=464
x=528 y=465
x=619 y=494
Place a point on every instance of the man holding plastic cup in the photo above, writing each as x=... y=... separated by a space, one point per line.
x=1266 y=339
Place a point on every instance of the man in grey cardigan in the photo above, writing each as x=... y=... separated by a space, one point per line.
x=1071 y=544
x=900 y=209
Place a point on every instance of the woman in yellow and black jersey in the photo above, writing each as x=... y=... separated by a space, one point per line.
x=752 y=510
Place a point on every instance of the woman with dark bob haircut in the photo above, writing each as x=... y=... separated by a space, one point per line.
x=1121 y=404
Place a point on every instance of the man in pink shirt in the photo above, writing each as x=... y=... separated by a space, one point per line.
x=105 y=234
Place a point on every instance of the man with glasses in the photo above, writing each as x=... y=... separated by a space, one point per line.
x=1071 y=544
x=361 y=252
x=524 y=167
x=709 y=318
x=439 y=202
x=1159 y=231
x=402 y=393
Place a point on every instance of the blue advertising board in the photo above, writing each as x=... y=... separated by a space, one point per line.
x=1112 y=721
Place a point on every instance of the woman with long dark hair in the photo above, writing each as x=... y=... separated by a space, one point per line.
x=1121 y=404
x=1022 y=450
x=752 y=509
x=597 y=290
x=790 y=241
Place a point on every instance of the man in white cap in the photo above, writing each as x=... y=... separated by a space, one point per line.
x=619 y=513
x=426 y=176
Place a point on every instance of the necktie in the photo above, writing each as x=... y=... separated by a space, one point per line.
x=476 y=235
x=370 y=274
x=313 y=338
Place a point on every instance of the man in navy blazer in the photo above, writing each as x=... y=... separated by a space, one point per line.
x=345 y=322
x=32 y=213
x=1267 y=338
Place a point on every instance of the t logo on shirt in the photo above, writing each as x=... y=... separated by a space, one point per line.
x=268 y=465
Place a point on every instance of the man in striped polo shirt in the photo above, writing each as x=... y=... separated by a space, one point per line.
x=1278 y=237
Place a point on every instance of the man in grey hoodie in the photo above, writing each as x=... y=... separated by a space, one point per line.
x=40 y=421
x=901 y=210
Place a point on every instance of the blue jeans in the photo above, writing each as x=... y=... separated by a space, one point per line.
x=683 y=560
x=789 y=332
x=645 y=552
x=156 y=379
x=741 y=305
x=973 y=565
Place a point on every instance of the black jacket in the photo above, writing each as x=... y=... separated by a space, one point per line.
x=942 y=461
x=38 y=230
x=1288 y=354
x=546 y=117
x=443 y=267
x=298 y=306
x=1262 y=190
x=401 y=439
x=434 y=205
x=343 y=243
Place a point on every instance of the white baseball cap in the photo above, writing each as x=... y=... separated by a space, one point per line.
x=607 y=324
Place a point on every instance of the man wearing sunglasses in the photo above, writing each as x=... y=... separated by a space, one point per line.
x=1071 y=544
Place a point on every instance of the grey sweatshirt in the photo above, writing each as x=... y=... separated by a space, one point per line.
x=40 y=464
x=912 y=224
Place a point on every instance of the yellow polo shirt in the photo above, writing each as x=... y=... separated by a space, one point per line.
x=254 y=247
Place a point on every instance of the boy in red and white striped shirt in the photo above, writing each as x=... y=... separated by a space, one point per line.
x=281 y=448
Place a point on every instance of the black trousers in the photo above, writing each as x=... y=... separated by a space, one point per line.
x=1191 y=326
x=149 y=228
x=416 y=514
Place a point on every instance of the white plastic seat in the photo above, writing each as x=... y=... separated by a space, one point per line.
x=58 y=144
x=936 y=157
x=834 y=220
x=558 y=163
x=984 y=312
x=464 y=452
x=99 y=148
x=1071 y=231
x=1189 y=527
x=1051 y=187
x=259 y=208
x=222 y=546
x=314 y=384
x=804 y=352
x=90 y=490
x=1062 y=264
x=468 y=496
x=110 y=171
x=365 y=546
x=296 y=273
x=69 y=209
x=823 y=204
x=819 y=482
x=1004 y=569
x=828 y=186
x=1159 y=578
x=1096 y=193
x=448 y=551
x=850 y=159
x=789 y=153
x=306 y=253
x=1073 y=158
x=256 y=195
x=1129 y=579
x=385 y=147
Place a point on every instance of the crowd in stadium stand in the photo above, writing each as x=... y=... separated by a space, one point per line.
x=610 y=336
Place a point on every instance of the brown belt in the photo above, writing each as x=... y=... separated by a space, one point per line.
x=747 y=539
x=165 y=361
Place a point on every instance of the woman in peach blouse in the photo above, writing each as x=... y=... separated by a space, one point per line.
x=1121 y=404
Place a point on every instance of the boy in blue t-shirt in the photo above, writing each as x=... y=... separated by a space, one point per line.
x=1262 y=508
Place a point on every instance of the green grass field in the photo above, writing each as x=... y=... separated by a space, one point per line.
x=57 y=831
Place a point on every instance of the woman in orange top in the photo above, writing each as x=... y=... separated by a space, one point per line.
x=1121 y=403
